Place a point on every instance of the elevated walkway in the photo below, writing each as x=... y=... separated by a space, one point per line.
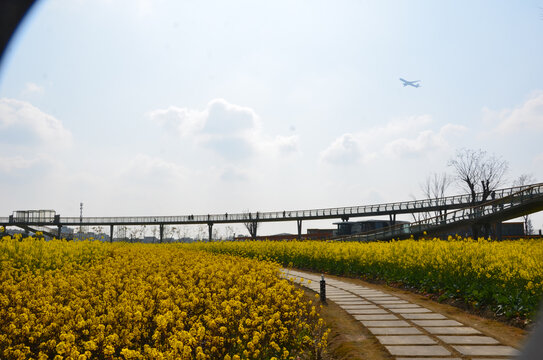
x=458 y=210
x=344 y=213
x=521 y=201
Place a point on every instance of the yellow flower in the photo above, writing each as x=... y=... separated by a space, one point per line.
x=110 y=299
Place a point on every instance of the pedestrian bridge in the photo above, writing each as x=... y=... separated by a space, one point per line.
x=519 y=202
x=457 y=210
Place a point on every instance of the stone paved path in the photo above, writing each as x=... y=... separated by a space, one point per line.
x=408 y=331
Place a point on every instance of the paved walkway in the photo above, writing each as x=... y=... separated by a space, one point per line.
x=408 y=331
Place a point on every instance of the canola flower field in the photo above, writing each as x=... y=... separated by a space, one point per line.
x=92 y=300
x=505 y=277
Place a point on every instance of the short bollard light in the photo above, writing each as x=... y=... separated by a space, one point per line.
x=323 y=290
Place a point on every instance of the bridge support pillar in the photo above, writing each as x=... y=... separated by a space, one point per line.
x=299 y=223
x=210 y=228
x=110 y=233
x=161 y=228
x=392 y=219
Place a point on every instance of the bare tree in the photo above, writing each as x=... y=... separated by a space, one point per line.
x=140 y=233
x=419 y=215
x=478 y=172
x=121 y=232
x=168 y=233
x=154 y=232
x=529 y=227
x=133 y=233
x=98 y=232
x=435 y=187
x=251 y=223
x=523 y=180
x=202 y=232
x=182 y=233
x=229 y=233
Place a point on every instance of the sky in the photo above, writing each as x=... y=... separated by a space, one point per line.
x=140 y=107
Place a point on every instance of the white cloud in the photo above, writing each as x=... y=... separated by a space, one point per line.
x=397 y=139
x=232 y=131
x=24 y=124
x=225 y=118
x=183 y=121
x=233 y=174
x=233 y=147
x=426 y=140
x=14 y=163
x=400 y=126
x=344 y=150
x=145 y=167
x=280 y=146
x=32 y=88
x=538 y=160
x=529 y=115
x=451 y=130
x=30 y=140
x=286 y=144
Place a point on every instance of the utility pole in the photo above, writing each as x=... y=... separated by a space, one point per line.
x=81 y=218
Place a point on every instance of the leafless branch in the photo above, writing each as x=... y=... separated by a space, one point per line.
x=478 y=172
x=523 y=180
x=251 y=223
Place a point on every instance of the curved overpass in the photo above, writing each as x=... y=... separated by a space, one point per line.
x=451 y=207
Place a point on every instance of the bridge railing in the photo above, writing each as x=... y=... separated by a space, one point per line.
x=513 y=199
x=425 y=205
x=420 y=205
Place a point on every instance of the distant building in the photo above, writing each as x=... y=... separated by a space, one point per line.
x=66 y=232
x=513 y=229
x=345 y=228
x=320 y=233
x=508 y=230
x=186 y=240
x=150 y=239
x=85 y=236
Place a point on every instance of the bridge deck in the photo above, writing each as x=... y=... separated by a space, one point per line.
x=526 y=200
x=344 y=213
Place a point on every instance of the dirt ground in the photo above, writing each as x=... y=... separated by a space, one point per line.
x=350 y=340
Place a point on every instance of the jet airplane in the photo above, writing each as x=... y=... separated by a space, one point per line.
x=410 y=83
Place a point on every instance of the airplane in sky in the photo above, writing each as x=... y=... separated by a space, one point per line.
x=410 y=83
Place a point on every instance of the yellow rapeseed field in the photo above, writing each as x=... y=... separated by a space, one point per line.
x=91 y=300
x=505 y=276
